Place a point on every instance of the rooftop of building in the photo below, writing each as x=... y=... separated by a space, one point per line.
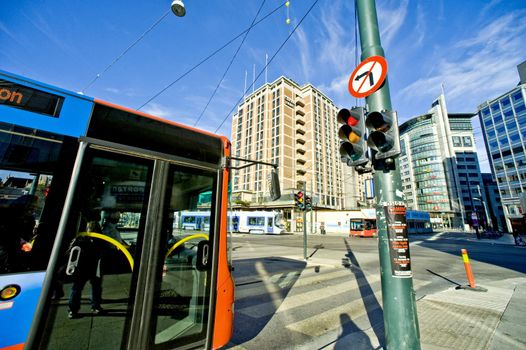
x=290 y=81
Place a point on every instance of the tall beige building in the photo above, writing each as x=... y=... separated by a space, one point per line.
x=295 y=127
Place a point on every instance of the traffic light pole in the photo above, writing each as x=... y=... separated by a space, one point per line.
x=400 y=318
x=305 y=222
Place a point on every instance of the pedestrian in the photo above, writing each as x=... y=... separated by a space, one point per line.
x=517 y=238
x=322 y=228
x=109 y=227
x=84 y=265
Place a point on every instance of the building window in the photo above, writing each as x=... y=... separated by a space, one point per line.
x=457 y=141
x=467 y=141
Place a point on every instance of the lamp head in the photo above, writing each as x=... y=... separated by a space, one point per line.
x=178 y=8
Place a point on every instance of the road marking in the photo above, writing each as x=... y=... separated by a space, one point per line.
x=255 y=289
x=324 y=322
x=305 y=298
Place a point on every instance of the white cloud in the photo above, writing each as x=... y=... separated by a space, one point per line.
x=476 y=68
x=390 y=19
x=302 y=42
x=337 y=43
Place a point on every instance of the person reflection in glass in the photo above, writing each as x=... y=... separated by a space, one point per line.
x=88 y=268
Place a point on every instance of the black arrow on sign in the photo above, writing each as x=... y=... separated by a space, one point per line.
x=371 y=79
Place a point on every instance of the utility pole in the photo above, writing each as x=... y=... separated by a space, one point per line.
x=304 y=188
x=312 y=206
x=400 y=317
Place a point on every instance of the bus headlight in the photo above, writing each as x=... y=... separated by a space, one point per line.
x=9 y=292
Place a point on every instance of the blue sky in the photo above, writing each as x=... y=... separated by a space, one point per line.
x=470 y=46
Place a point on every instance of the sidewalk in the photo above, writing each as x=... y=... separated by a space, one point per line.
x=452 y=319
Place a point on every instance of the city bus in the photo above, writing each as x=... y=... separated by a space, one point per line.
x=77 y=169
x=251 y=221
x=363 y=223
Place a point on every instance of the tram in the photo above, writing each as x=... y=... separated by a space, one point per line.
x=69 y=163
x=246 y=221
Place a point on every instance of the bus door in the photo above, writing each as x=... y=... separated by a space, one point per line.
x=270 y=225
x=123 y=277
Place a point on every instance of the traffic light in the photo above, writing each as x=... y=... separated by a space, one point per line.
x=383 y=134
x=300 y=200
x=352 y=137
x=308 y=203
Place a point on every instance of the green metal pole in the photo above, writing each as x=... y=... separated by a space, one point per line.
x=400 y=317
x=304 y=222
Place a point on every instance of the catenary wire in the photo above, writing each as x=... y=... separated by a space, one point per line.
x=208 y=57
x=125 y=51
x=266 y=65
x=230 y=64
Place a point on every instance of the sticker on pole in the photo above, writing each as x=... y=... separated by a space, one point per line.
x=368 y=76
x=395 y=217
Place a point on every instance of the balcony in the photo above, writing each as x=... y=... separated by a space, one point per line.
x=300 y=103
x=300 y=120
x=300 y=172
x=300 y=141
x=300 y=161
x=300 y=130
x=300 y=111
x=300 y=149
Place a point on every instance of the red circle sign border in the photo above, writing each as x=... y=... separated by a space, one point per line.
x=377 y=59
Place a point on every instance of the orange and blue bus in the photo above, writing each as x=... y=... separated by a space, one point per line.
x=74 y=167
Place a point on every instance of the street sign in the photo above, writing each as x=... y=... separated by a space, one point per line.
x=368 y=76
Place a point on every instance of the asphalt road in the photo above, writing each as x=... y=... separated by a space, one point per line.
x=284 y=302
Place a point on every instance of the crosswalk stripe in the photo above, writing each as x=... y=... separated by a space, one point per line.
x=306 y=298
x=330 y=319
x=308 y=277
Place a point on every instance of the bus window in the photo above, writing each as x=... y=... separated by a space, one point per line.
x=35 y=171
x=182 y=303
x=94 y=288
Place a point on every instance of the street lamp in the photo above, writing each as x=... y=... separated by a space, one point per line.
x=178 y=8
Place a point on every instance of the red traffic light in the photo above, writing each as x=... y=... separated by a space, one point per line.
x=345 y=116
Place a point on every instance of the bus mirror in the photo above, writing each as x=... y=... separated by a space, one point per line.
x=204 y=259
x=275 y=192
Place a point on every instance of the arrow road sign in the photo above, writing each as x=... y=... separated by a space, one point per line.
x=368 y=76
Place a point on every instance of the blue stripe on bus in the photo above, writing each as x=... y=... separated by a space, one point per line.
x=18 y=312
x=73 y=118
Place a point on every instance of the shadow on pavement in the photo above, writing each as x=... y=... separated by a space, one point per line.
x=272 y=277
x=507 y=256
x=374 y=311
x=357 y=340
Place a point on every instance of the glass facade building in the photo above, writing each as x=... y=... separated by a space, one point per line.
x=503 y=122
x=439 y=168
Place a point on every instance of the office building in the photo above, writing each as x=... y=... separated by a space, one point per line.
x=294 y=127
x=494 y=205
x=503 y=122
x=439 y=168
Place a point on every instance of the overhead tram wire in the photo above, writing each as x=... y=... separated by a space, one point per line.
x=230 y=64
x=125 y=51
x=266 y=65
x=209 y=56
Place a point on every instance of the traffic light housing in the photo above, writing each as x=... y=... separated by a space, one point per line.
x=352 y=136
x=383 y=134
x=308 y=203
x=300 y=200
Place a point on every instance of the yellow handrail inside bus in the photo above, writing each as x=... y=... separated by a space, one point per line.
x=116 y=243
x=186 y=239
